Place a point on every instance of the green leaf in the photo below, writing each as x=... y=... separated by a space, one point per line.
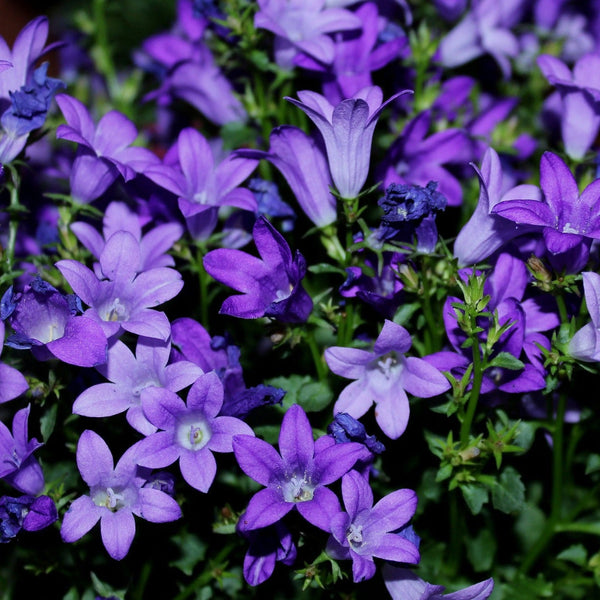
x=193 y=550
x=326 y=268
x=312 y=395
x=475 y=496
x=47 y=422
x=508 y=495
x=576 y=554
x=481 y=550
x=593 y=464
x=506 y=360
x=105 y=590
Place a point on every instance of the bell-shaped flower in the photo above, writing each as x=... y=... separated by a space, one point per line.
x=365 y=531
x=271 y=286
x=118 y=296
x=117 y=493
x=348 y=132
x=12 y=381
x=296 y=476
x=585 y=344
x=384 y=376
x=189 y=432
x=18 y=466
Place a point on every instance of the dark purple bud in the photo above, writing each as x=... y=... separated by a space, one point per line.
x=246 y=401
x=345 y=428
x=403 y=202
x=7 y=304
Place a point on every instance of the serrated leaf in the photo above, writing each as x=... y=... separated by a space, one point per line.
x=508 y=495
x=475 y=496
x=506 y=360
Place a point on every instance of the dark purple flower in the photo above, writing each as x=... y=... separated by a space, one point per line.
x=382 y=376
x=189 y=432
x=18 y=466
x=345 y=428
x=25 y=512
x=116 y=494
x=365 y=531
x=271 y=286
x=295 y=478
x=48 y=323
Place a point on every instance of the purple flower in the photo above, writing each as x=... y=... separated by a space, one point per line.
x=47 y=322
x=565 y=216
x=585 y=344
x=365 y=531
x=580 y=94
x=302 y=162
x=295 y=478
x=116 y=494
x=105 y=150
x=487 y=231
x=302 y=26
x=118 y=217
x=271 y=286
x=190 y=433
x=382 y=376
x=18 y=466
x=267 y=546
x=12 y=381
x=403 y=584
x=348 y=131
x=119 y=297
x=25 y=512
x=130 y=377
x=202 y=187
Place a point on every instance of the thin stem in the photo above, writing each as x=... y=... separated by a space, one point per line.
x=203 y=279
x=465 y=428
x=562 y=309
x=557 y=458
x=432 y=331
x=317 y=356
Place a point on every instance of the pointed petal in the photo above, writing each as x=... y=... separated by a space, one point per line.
x=118 y=531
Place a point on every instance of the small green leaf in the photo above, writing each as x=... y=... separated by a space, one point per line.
x=576 y=554
x=47 y=422
x=192 y=549
x=475 y=496
x=593 y=464
x=506 y=360
x=481 y=550
x=508 y=495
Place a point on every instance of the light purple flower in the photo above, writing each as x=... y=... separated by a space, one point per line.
x=116 y=494
x=271 y=286
x=565 y=216
x=296 y=476
x=18 y=466
x=403 y=584
x=303 y=25
x=384 y=376
x=190 y=433
x=105 y=149
x=12 y=381
x=190 y=172
x=130 y=377
x=580 y=94
x=118 y=217
x=348 y=132
x=486 y=231
x=585 y=344
x=122 y=298
x=365 y=531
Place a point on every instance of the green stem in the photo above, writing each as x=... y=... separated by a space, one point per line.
x=432 y=331
x=455 y=534
x=203 y=279
x=465 y=428
x=562 y=309
x=346 y=326
x=317 y=356
x=103 y=53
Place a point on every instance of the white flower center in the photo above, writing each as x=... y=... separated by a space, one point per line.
x=193 y=432
x=298 y=489
x=109 y=498
x=354 y=535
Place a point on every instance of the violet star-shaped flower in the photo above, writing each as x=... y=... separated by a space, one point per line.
x=365 y=531
x=382 y=376
x=117 y=493
x=271 y=286
x=296 y=477
x=190 y=433
x=130 y=376
x=403 y=584
x=18 y=466
x=348 y=132
x=119 y=297
x=565 y=216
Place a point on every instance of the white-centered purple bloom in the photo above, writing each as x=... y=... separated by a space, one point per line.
x=580 y=94
x=18 y=466
x=271 y=286
x=130 y=377
x=564 y=215
x=348 y=132
x=365 y=531
x=118 y=217
x=487 y=231
x=202 y=186
x=384 y=376
x=12 y=381
x=189 y=432
x=296 y=476
x=585 y=344
x=302 y=26
x=403 y=584
x=105 y=150
x=117 y=493
x=48 y=323
x=120 y=299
